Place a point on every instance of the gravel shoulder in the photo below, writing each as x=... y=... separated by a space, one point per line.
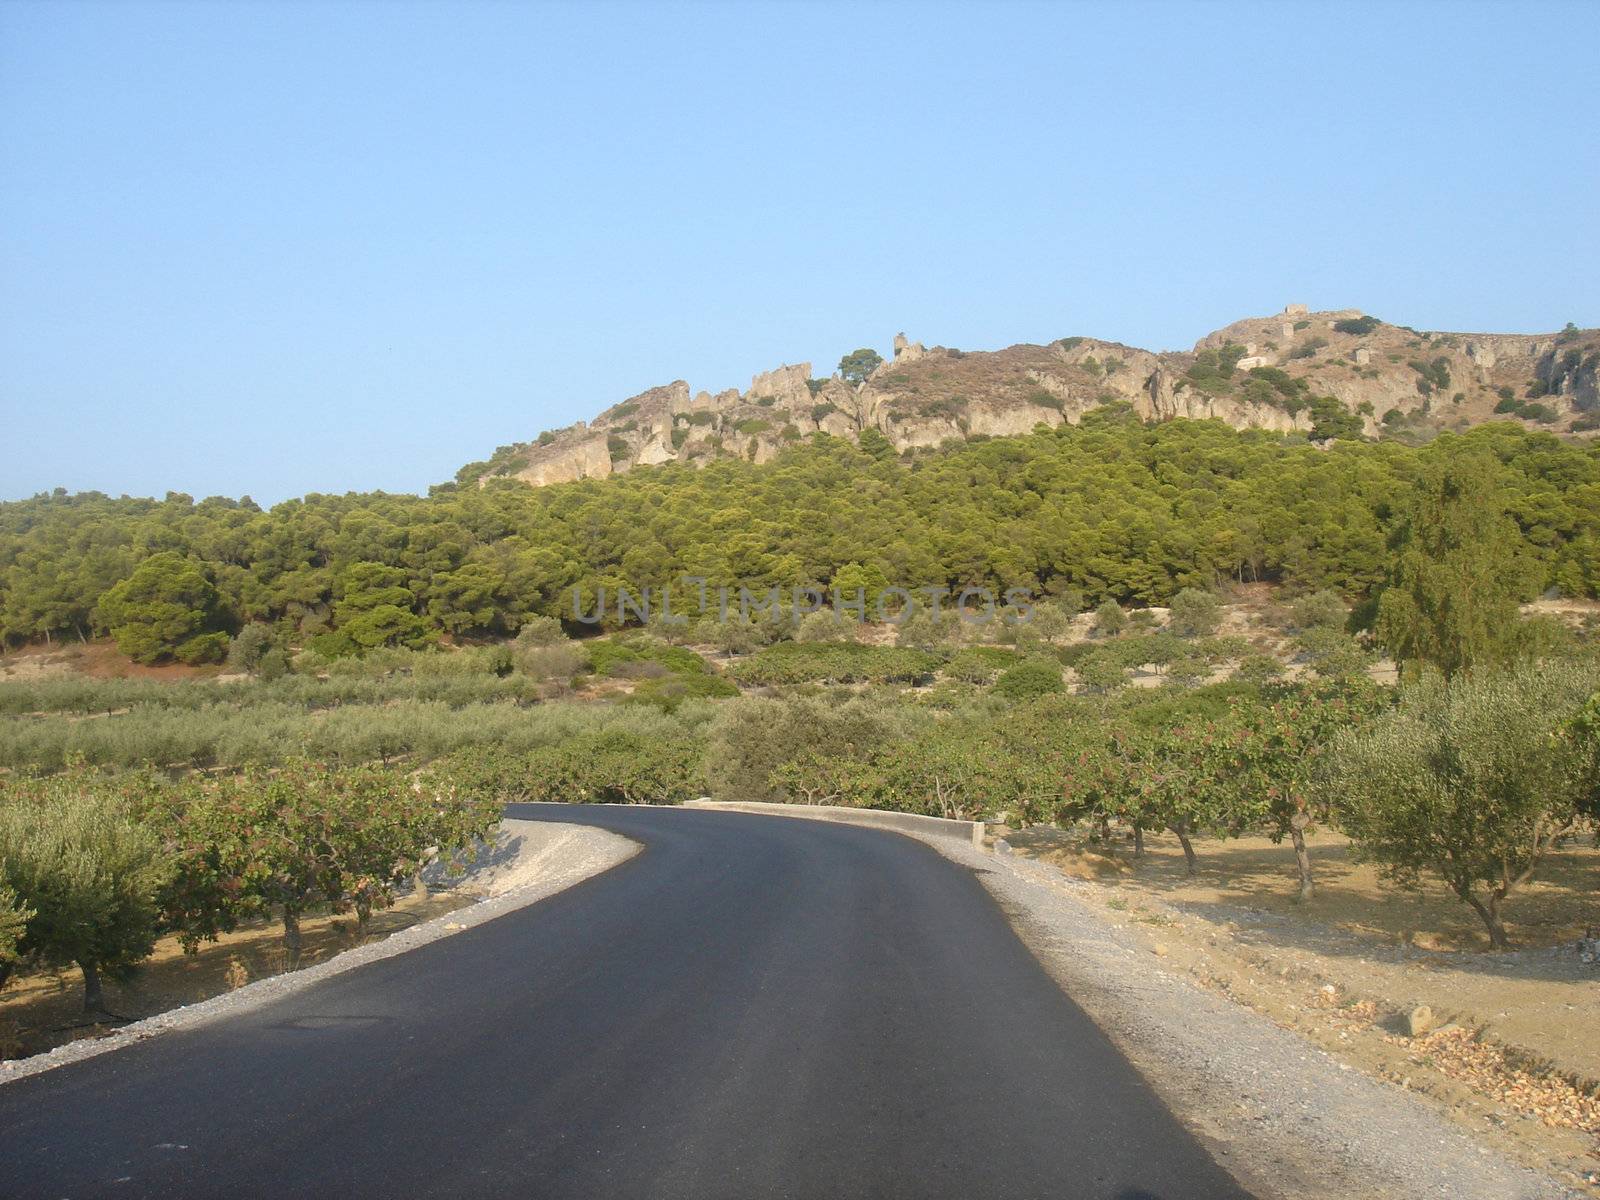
x=528 y=861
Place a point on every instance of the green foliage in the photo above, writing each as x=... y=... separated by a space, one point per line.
x=1109 y=619
x=1195 y=613
x=751 y=739
x=615 y=767
x=1473 y=779
x=248 y=647
x=1031 y=678
x=1331 y=420
x=1359 y=326
x=858 y=364
x=1114 y=509
x=91 y=877
x=1213 y=367
x=14 y=916
x=793 y=662
x=166 y=608
x=1453 y=590
x=1319 y=610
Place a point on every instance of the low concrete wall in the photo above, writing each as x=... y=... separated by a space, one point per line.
x=970 y=832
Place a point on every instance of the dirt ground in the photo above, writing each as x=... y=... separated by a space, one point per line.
x=98 y=659
x=1508 y=1046
x=45 y=1009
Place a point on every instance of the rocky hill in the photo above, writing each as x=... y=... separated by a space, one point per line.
x=1328 y=374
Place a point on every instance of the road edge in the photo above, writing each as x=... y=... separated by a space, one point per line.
x=580 y=853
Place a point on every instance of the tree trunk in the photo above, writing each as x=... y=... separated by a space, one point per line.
x=1490 y=913
x=291 y=936
x=1189 y=859
x=94 y=1000
x=1302 y=856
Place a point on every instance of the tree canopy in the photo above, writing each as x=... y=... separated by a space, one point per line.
x=1108 y=510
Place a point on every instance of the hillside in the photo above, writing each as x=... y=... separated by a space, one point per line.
x=1327 y=374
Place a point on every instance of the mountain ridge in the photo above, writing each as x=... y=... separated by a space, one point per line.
x=1326 y=374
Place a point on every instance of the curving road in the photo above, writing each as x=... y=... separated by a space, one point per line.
x=753 y=1006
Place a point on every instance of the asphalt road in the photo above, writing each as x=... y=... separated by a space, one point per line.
x=753 y=1006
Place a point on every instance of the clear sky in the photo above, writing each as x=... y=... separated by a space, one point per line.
x=268 y=249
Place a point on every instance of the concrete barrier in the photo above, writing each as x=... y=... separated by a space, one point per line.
x=942 y=828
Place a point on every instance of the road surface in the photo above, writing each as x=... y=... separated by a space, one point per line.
x=754 y=1006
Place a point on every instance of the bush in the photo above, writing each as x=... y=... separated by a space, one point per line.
x=247 y=647
x=1031 y=678
x=792 y=662
x=540 y=631
x=825 y=625
x=750 y=739
x=1320 y=610
x=1109 y=619
x=1195 y=613
x=615 y=767
x=1259 y=669
x=979 y=664
x=1359 y=326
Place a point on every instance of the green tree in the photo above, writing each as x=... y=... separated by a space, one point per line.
x=1451 y=600
x=858 y=364
x=1109 y=619
x=1039 y=675
x=91 y=876
x=1195 y=613
x=166 y=608
x=1475 y=779
x=14 y=916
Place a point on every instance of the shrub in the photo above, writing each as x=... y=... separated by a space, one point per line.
x=1359 y=326
x=540 y=631
x=1031 y=678
x=1195 y=613
x=750 y=739
x=1259 y=669
x=1324 y=609
x=791 y=663
x=1109 y=619
x=247 y=647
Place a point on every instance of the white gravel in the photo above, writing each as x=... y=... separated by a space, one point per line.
x=528 y=861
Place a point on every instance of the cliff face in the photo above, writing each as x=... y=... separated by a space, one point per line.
x=1264 y=372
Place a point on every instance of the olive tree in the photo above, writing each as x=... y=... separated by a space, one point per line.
x=13 y=924
x=1473 y=779
x=92 y=878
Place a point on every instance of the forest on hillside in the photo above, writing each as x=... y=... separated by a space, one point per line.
x=1111 y=509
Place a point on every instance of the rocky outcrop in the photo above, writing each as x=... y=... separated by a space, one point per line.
x=1398 y=381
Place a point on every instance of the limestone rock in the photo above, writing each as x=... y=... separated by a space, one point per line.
x=1419 y=1020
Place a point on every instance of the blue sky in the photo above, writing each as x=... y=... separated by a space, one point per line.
x=268 y=249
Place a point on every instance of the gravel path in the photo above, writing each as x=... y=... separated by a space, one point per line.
x=1288 y=1119
x=529 y=861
